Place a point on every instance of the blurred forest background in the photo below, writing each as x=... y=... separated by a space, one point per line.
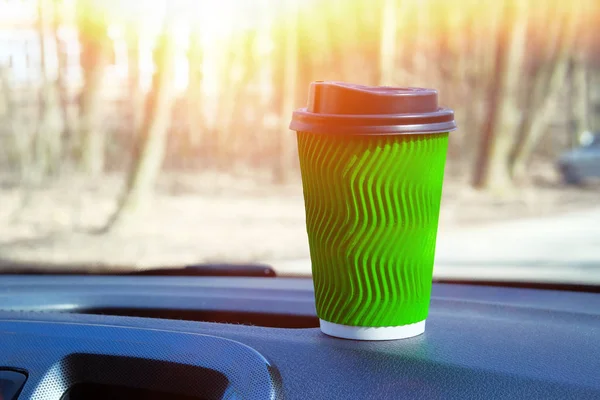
x=113 y=113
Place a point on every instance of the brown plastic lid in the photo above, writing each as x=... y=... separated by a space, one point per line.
x=338 y=107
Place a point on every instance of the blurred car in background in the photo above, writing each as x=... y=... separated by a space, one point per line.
x=583 y=162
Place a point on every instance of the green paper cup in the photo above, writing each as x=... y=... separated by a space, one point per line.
x=372 y=162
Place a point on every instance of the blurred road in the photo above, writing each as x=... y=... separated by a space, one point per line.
x=563 y=248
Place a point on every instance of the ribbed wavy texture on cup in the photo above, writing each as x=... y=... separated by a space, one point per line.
x=372 y=208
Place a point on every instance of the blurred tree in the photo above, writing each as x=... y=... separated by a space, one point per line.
x=286 y=84
x=69 y=118
x=465 y=76
x=95 y=55
x=426 y=72
x=580 y=76
x=48 y=135
x=194 y=90
x=150 y=147
x=594 y=97
x=37 y=143
x=136 y=97
x=15 y=132
x=229 y=137
x=545 y=92
x=389 y=44
x=503 y=114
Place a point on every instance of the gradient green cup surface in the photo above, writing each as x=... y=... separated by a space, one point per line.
x=372 y=208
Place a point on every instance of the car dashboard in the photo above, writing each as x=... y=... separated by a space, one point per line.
x=75 y=337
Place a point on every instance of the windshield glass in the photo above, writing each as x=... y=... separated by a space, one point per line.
x=145 y=134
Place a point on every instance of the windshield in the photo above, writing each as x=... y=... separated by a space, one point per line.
x=152 y=134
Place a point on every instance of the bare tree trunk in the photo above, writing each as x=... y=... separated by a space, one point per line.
x=288 y=93
x=39 y=148
x=584 y=67
x=90 y=129
x=503 y=115
x=194 y=91
x=69 y=119
x=594 y=98
x=237 y=73
x=149 y=153
x=49 y=134
x=545 y=92
x=581 y=104
x=47 y=139
x=537 y=90
x=389 y=45
x=136 y=99
x=19 y=151
x=421 y=57
x=458 y=83
x=95 y=56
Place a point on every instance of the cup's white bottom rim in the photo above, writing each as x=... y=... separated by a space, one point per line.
x=372 y=333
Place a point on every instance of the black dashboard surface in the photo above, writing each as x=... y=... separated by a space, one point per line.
x=480 y=342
